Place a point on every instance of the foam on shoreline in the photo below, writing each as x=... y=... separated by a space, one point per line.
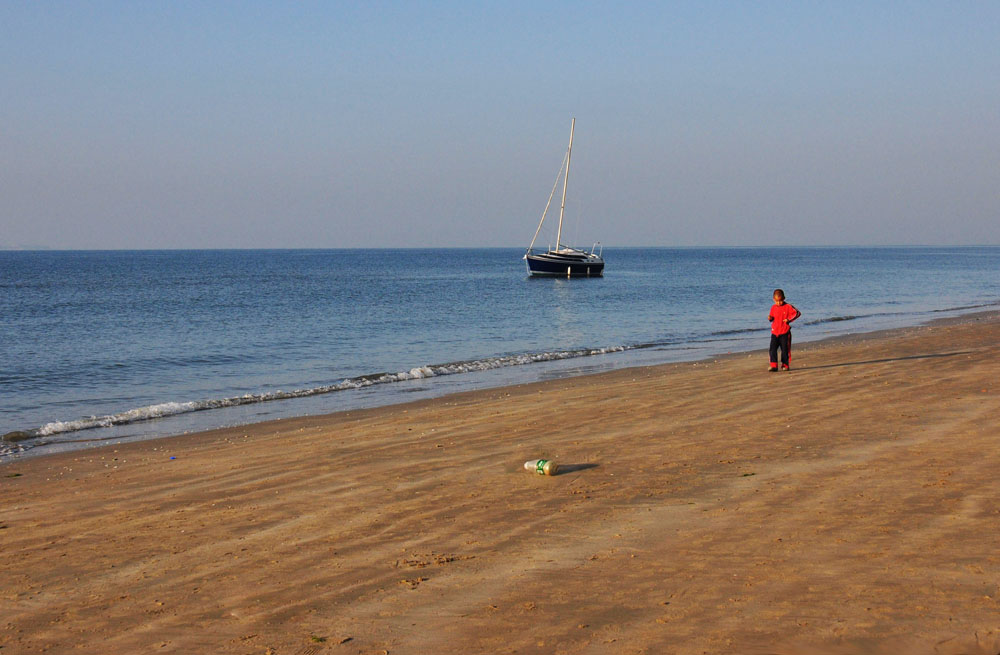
x=22 y=440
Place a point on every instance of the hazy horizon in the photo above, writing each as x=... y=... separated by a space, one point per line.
x=331 y=125
x=803 y=246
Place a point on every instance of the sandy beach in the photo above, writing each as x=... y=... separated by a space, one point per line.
x=849 y=506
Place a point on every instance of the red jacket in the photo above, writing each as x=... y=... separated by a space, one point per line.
x=778 y=315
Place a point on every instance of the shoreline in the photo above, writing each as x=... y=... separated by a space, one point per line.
x=704 y=507
x=118 y=441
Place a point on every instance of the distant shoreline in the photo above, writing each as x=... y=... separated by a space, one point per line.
x=21 y=438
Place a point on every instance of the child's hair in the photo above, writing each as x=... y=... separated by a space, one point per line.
x=779 y=292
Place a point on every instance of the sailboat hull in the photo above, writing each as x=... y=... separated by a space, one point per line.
x=560 y=264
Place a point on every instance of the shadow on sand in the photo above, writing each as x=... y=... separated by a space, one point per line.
x=573 y=468
x=883 y=361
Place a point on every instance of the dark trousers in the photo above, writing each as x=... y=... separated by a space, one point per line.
x=783 y=341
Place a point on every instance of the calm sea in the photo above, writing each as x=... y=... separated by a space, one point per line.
x=98 y=347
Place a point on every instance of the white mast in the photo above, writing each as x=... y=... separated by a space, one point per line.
x=562 y=207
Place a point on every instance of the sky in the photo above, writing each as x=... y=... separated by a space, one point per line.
x=443 y=124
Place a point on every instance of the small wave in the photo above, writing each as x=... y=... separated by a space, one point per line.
x=728 y=333
x=652 y=344
x=418 y=373
x=8 y=449
x=852 y=317
x=837 y=319
x=965 y=307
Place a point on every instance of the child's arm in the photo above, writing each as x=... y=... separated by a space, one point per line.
x=797 y=314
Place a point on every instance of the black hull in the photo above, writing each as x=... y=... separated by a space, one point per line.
x=560 y=265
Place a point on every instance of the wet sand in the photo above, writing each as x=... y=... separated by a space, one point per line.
x=849 y=506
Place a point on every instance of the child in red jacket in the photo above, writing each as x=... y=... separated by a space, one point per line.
x=781 y=316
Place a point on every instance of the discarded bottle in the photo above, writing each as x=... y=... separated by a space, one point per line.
x=541 y=466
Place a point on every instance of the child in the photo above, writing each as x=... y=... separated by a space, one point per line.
x=781 y=316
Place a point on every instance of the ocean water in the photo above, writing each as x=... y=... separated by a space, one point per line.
x=106 y=346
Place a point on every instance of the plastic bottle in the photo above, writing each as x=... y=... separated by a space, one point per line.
x=541 y=466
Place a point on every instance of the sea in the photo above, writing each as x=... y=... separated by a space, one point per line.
x=103 y=347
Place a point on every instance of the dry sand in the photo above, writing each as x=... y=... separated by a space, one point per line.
x=852 y=505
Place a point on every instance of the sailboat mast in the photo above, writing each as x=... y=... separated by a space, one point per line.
x=562 y=207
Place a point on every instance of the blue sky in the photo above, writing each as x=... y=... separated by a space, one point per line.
x=196 y=124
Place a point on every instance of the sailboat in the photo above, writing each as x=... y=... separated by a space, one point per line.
x=563 y=260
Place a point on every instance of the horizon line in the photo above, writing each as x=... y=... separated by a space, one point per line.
x=628 y=246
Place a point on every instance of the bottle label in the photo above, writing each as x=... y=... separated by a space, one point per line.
x=540 y=466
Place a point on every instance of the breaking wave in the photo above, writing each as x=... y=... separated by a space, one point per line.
x=421 y=372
